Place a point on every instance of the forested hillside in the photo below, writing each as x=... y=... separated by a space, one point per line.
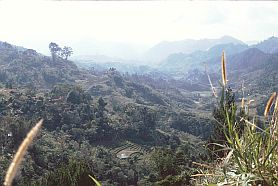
x=25 y=67
x=119 y=128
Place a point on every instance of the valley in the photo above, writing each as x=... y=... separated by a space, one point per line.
x=124 y=125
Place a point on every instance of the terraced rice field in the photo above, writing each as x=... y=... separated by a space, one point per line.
x=130 y=150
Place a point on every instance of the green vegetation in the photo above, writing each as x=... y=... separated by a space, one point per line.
x=176 y=165
x=121 y=129
x=72 y=173
x=247 y=150
x=82 y=127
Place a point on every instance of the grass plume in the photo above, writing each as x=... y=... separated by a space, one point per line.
x=242 y=103
x=223 y=64
x=269 y=104
x=20 y=154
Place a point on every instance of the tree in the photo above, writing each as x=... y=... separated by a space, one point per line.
x=54 y=49
x=74 y=97
x=66 y=52
x=164 y=162
x=101 y=107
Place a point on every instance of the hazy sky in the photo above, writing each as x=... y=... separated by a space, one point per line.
x=34 y=24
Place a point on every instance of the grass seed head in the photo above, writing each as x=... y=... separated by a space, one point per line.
x=269 y=104
x=20 y=154
x=223 y=65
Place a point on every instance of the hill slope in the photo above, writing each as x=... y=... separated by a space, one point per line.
x=22 y=67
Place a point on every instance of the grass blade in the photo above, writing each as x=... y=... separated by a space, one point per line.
x=96 y=182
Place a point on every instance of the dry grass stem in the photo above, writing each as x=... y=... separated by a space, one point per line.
x=198 y=175
x=202 y=165
x=212 y=87
x=226 y=160
x=252 y=124
x=223 y=64
x=269 y=104
x=20 y=153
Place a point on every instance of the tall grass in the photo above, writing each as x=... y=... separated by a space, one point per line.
x=252 y=150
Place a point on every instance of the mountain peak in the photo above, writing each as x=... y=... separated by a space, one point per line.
x=227 y=37
x=230 y=39
x=269 y=45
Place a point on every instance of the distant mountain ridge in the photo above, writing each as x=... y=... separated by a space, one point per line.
x=250 y=58
x=254 y=56
x=181 y=62
x=164 y=49
x=269 y=45
x=178 y=64
x=256 y=68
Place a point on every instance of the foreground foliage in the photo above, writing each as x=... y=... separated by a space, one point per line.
x=245 y=152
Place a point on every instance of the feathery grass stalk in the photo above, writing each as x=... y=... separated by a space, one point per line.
x=20 y=153
x=242 y=103
x=269 y=104
x=223 y=64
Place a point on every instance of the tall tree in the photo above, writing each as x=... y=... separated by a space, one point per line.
x=66 y=52
x=54 y=49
